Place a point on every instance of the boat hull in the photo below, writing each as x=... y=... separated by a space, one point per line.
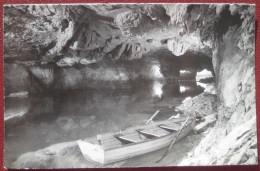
x=92 y=152
x=103 y=156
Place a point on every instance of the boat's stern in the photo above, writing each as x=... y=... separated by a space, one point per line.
x=92 y=152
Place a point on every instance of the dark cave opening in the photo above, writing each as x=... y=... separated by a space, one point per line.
x=226 y=21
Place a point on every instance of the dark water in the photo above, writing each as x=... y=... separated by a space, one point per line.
x=62 y=116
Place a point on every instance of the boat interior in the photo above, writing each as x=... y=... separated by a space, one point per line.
x=139 y=134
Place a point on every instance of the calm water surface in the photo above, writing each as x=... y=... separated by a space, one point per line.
x=70 y=115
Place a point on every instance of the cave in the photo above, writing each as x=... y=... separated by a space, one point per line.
x=74 y=72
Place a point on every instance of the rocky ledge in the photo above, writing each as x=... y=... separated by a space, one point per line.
x=219 y=145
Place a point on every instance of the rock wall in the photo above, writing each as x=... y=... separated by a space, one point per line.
x=104 y=74
x=18 y=78
x=54 y=32
x=234 y=61
x=233 y=58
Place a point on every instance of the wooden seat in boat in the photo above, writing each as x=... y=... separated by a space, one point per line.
x=133 y=137
x=126 y=140
x=110 y=142
x=169 y=128
x=153 y=133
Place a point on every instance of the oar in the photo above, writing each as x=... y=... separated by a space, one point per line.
x=149 y=120
x=178 y=133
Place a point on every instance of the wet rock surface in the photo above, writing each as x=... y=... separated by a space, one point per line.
x=52 y=157
x=217 y=147
x=208 y=121
x=202 y=105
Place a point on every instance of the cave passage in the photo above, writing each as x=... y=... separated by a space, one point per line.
x=59 y=114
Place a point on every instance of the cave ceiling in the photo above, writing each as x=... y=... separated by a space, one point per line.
x=85 y=34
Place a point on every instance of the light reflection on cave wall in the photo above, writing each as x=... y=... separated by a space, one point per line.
x=159 y=64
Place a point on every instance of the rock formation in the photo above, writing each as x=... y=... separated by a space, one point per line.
x=69 y=46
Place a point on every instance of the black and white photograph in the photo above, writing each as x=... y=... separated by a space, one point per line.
x=112 y=85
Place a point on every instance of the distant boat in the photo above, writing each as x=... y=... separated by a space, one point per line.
x=135 y=141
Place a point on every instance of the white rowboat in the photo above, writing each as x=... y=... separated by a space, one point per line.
x=135 y=141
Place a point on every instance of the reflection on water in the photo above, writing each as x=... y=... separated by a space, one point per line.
x=183 y=89
x=190 y=88
x=204 y=74
x=156 y=72
x=201 y=84
x=70 y=115
x=157 y=89
x=184 y=72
